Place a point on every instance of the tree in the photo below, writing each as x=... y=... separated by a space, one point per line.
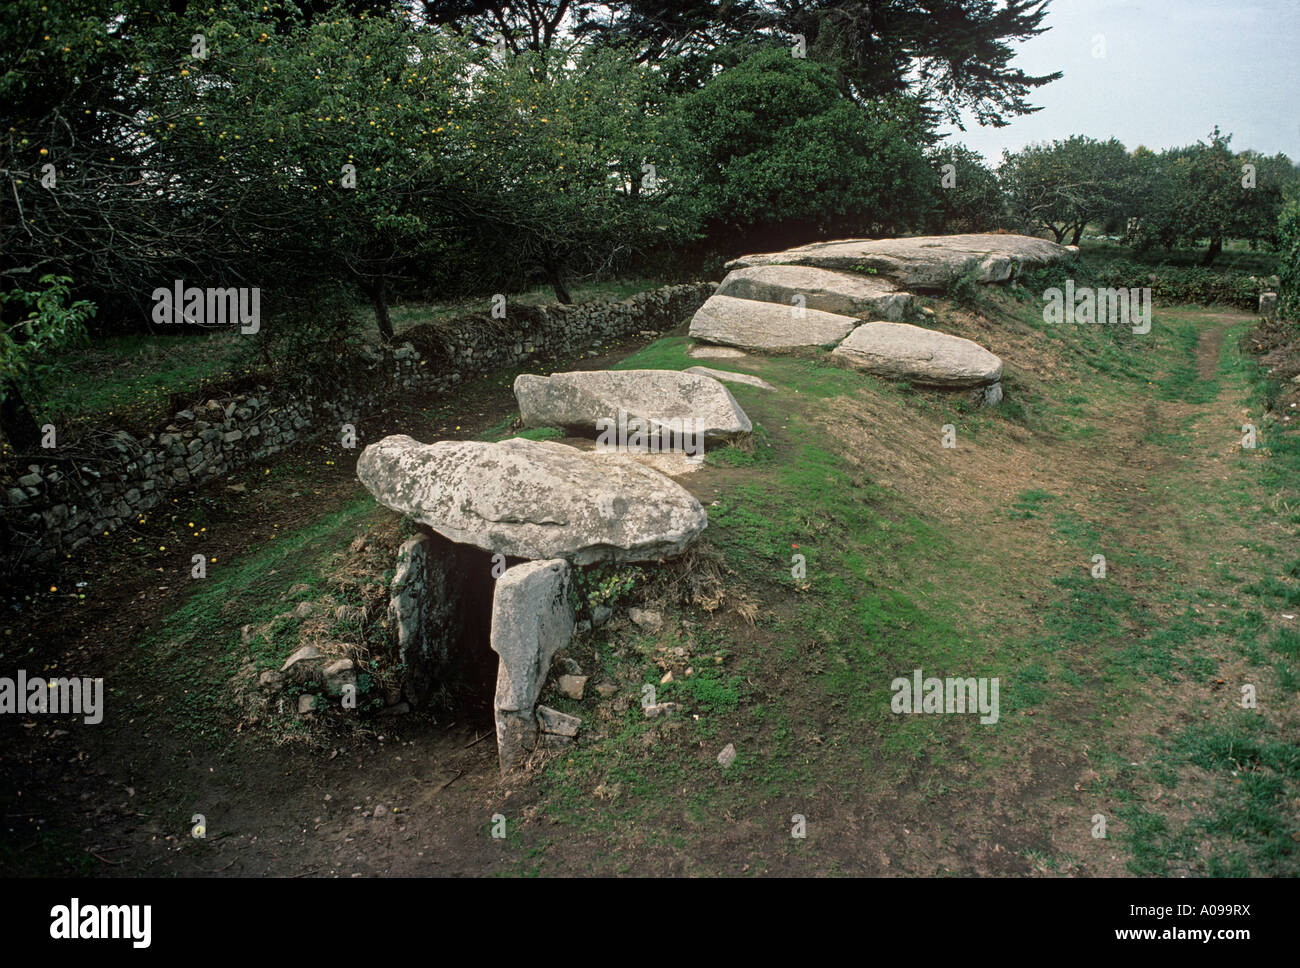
x=955 y=54
x=82 y=197
x=520 y=25
x=45 y=322
x=1289 y=260
x=336 y=149
x=779 y=155
x=1206 y=192
x=1064 y=185
x=574 y=150
x=964 y=197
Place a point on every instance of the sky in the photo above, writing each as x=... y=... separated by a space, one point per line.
x=1170 y=71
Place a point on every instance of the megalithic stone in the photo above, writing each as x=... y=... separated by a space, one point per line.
x=531 y=621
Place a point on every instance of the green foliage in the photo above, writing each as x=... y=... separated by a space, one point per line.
x=966 y=197
x=1183 y=284
x=779 y=151
x=1064 y=185
x=711 y=691
x=966 y=46
x=604 y=584
x=574 y=148
x=29 y=344
x=1206 y=192
x=1289 y=258
x=965 y=289
x=541 y=433
x=1169 y=284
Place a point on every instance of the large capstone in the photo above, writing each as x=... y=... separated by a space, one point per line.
x=534 y=499
x=664 y=400
x=531 y=621
x=903 y=352
x=831 y=292
x=925 y=262
x=750 y=324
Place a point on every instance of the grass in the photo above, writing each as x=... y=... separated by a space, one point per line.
x=197 y=649
x=128 y=378
x=1235 y=257
x=132 y=378
x=859 y=625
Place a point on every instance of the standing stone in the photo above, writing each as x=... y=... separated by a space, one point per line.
x=1268 y=304
x=531 y=621
x=406 y=610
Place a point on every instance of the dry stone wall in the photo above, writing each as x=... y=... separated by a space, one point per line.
x=55 y=503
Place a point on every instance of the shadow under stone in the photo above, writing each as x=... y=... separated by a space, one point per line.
x=442 y=597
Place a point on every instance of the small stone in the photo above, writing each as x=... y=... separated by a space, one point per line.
x=380 y=811
x=644 y=618
x=337 y=675
x=246 y=635
x=668 y=677
x=571 y=686
x=307 y=704
x=600 y=614
x=605 y=688
x=304 y=654
x=303 y=609
x=555 y=723
x=568 y=665
x=659 y=709
x=270 y=681
x=727 y=755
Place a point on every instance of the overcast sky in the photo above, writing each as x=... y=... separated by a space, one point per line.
x=1172 y=70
